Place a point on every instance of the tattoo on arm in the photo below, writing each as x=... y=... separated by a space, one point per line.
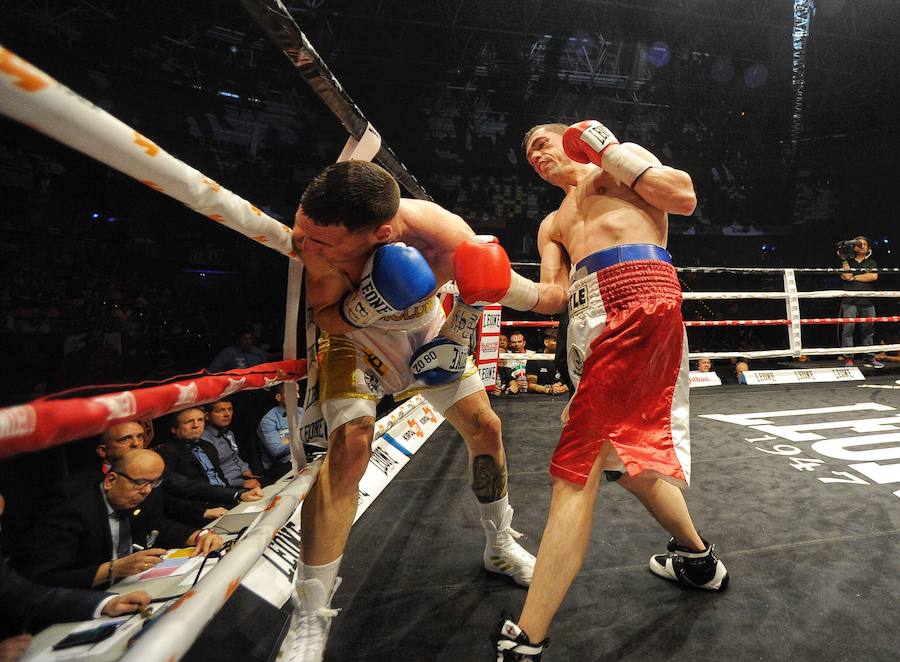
x=488 y=479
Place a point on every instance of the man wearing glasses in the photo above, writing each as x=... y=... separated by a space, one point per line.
x=100 y=535
x=188 y=501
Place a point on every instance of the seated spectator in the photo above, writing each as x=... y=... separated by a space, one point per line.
x=518 y=381
x=739 y=369
x=504 y=372
x=217 y=432
x=275 y=438
x=704 y=365
x=561 y=360
x=887 y=357
x=187 y=453
x=542 y=374
x=186 y=501
x=243 y=355
x=87 y=541
x=25 y=605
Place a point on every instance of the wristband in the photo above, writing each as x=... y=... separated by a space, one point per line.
x=461 y=323
x=109 y=572
x=522 y=293
x=624 y=165
x=355 y=311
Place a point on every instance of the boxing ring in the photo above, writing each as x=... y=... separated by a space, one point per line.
x=444 y=601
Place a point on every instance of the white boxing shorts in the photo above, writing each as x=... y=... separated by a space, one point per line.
x=358 y=368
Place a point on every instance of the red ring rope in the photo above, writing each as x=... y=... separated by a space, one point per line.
x=44 y=423
x=785 y=322
x=775 y=322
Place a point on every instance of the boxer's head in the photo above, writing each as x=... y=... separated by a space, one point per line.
x=346 y=210
x=544 y=152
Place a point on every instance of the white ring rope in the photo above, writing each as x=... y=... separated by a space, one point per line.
x=174 y=635
x=30 y=96
x=821 y=294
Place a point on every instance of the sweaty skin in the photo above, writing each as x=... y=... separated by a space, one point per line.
x=598 y=212
x=335 y=257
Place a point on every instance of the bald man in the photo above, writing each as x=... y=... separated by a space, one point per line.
x=87 y=541
x=190 y=502
x=26 y=605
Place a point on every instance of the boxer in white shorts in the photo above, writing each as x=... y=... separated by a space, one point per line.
x=383 y=332
x=358 y=368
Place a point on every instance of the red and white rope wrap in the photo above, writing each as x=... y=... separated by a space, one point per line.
x=44 y=423
x=784 y=322
x=821 y=294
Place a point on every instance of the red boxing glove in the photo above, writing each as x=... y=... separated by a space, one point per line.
x=481 y=269
x=586 y=141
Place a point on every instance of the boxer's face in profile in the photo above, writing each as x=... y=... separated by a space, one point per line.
x=545 y=154
x=334 y=243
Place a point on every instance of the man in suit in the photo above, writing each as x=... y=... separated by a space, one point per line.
x=87 y=541
x=26 y=606
x=188 y=454
x=188 y=501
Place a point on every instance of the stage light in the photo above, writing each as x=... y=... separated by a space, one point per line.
x=659 y=54
x=756 y=75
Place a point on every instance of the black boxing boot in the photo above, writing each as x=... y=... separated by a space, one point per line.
x=512 y=644
x=691 y=568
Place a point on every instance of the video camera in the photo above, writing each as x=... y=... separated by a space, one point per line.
x=845 y=248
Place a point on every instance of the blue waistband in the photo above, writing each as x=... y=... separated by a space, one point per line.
x=623 y=253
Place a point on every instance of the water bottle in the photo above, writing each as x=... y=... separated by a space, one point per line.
x=521 y=377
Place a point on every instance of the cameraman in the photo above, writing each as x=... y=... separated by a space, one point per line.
x=857 y=250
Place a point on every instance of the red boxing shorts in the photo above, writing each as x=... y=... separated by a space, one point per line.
x=628 y=356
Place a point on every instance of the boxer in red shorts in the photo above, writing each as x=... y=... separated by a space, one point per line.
x=627 y=353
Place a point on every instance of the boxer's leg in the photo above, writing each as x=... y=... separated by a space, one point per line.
x=471 y=414
x=689 y=559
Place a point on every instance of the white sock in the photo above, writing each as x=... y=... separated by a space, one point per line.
x=326 y=574
x=495 y=510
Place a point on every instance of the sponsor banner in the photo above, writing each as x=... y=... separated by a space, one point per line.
x=414 y=430
x=391 y=453
x=488 y=349
x=488 y=374
x=699 y=379
x=810 y=375
x=490 y=320
x=384 y=463
x=272 y=577
x=489 y=346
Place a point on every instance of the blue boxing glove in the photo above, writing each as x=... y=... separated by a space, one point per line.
x=395 y=277
x=444 y=358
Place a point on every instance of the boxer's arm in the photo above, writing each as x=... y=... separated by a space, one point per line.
x=554 y=286
x=325 y=289
x=440 y=230
x=668 y=189
x=665 y=188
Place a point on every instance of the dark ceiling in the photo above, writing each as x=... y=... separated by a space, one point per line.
x=513 y=56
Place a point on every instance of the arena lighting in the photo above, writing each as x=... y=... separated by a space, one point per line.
x=803 y=12
x=230 y=95
x=756 y=75
x=659 y=54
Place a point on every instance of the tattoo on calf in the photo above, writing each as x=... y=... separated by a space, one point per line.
x=488 y=479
